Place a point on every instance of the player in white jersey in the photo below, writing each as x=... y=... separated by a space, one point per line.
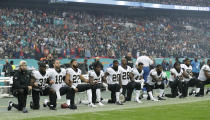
x=155 y=81
x=203 y=78
x=175 y=78
x=113 y=78
x=125 y=75
x=58 y=75
x=97 y=76
x=74 y=77
x=137 y=82
x=41 y=81
x=188 y=80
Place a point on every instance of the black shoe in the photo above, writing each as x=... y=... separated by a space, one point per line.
x=110 y=101
x=52 y=107
x=73 y=107
x=208 y=90
x=181 y=96
x=31 y=105
x=161 y=98
x=192 y=92
x=25 y=110
x=169 y=96
x=119 y=103
x=198 y=95
x=44 y=105
x=9 y=106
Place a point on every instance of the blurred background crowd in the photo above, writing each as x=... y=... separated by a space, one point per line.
x=34 y=33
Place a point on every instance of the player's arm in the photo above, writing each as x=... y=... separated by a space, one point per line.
x=91 y=79
x=131 y=75
x=33 y=81
x=173 y=74
x=154 y=77
x=104 y=79
x=120 y=80
x=67 y=80
x=184 y=74
x=83 y=79
x=207 y=74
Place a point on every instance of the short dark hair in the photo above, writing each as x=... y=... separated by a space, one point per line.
x=158 y=65
x=73 y=60
x=114 y=61
x=176 y=63
x=42 y=64
x=12 y=62
x=140 y=64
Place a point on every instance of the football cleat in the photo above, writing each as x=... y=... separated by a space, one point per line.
x=9 y=106
x=100 y=104
x=91 y=105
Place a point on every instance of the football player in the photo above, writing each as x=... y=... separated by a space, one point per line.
x=125 y=71
x=175 y=78
x=155 y=81
x=74 y=77
x=114 y=82
x=57 y=74
x=137 y=82
x=41 y=81
x=97 y=76
x=203 y=79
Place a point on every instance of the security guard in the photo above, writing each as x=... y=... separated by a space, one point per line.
x=21 y=86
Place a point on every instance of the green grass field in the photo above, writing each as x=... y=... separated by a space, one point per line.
x=190 y=108
x=187 y=111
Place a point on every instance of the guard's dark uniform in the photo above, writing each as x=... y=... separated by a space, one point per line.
x=21 y=81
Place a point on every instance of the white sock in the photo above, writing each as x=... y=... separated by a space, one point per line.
x=197 y=90
x=68 y=102
x=11 y=104
x=150 y=95
x=161 y=92
x=89 y=94
x=137 y=94
x=117 y=96
x=45 y=101
x=98 y=95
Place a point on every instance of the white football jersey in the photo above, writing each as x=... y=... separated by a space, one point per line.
x=173 y=70
x=96 y=77
x=114 y=76
x=39 y=78
x=153 y=72
x=188 y=70
x=58 y=78
x=74 y=76
x=137 y=75
x=125 y=74
x=202 y=76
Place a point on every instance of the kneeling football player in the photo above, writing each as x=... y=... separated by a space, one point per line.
x=74 y=78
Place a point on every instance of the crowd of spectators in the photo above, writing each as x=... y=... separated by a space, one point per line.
x=33 y=33
x=201 y=3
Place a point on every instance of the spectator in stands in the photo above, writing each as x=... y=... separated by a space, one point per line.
x=7 y=69
x=13 y=67
x=84 y=67
x=195 y=67
x=165 y=65
x=129 y=59
x=97 y=61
